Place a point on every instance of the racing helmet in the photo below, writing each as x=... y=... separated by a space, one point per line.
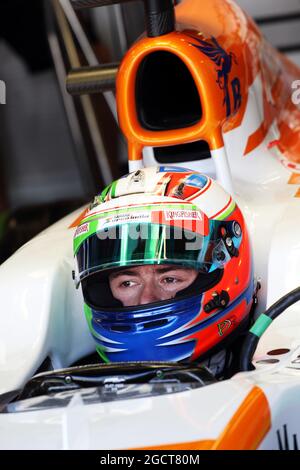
x=165 y=215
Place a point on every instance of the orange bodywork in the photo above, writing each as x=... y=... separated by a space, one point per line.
x=248 y=426
x=250 y=55
x=245 y=431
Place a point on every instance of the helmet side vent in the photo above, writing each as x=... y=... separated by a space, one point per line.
x=166 y=94
x=155 y=324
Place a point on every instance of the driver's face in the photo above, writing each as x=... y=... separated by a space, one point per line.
x=144 y=284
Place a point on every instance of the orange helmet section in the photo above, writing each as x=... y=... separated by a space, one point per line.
x=236 y=280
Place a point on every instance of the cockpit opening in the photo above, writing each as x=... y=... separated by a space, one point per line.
x=166 y=94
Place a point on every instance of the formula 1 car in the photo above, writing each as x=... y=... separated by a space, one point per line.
x=202 y=90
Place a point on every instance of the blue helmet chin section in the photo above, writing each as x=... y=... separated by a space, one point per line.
x=147 y=334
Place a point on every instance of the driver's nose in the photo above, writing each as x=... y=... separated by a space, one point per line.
x=150 y=293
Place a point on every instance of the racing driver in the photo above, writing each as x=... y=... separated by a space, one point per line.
x=164 y=261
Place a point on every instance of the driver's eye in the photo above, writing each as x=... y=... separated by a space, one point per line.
x=126 y=283
x=169 y=280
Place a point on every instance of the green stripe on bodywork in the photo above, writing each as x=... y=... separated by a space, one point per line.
x=261 y=324
x=89 y=317
x=227 y=212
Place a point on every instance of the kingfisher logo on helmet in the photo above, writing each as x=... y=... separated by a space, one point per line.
x=164 y=261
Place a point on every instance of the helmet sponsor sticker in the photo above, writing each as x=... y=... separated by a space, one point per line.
x=182 y=215
x=226 y=325
x=197 y=181
x=173 y=169
x=82 y=229
x=124 y=218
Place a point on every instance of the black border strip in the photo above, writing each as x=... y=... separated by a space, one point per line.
x=289 y=48
x=277 y=18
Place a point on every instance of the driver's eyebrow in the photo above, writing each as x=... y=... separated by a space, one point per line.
x=175 y=268
x=124 y=273
x=128 y=272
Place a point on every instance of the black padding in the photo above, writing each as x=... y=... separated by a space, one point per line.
x=82 y=4
x=247 y=352
x=202 y=283
x=190 y=152
x=97 y=293
x=158 y=24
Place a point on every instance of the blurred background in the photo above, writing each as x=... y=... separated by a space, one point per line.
x=57 y=151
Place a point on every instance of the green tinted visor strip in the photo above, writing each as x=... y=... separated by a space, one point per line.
x=93 y=220
x=261 y=324
x=151 y=251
